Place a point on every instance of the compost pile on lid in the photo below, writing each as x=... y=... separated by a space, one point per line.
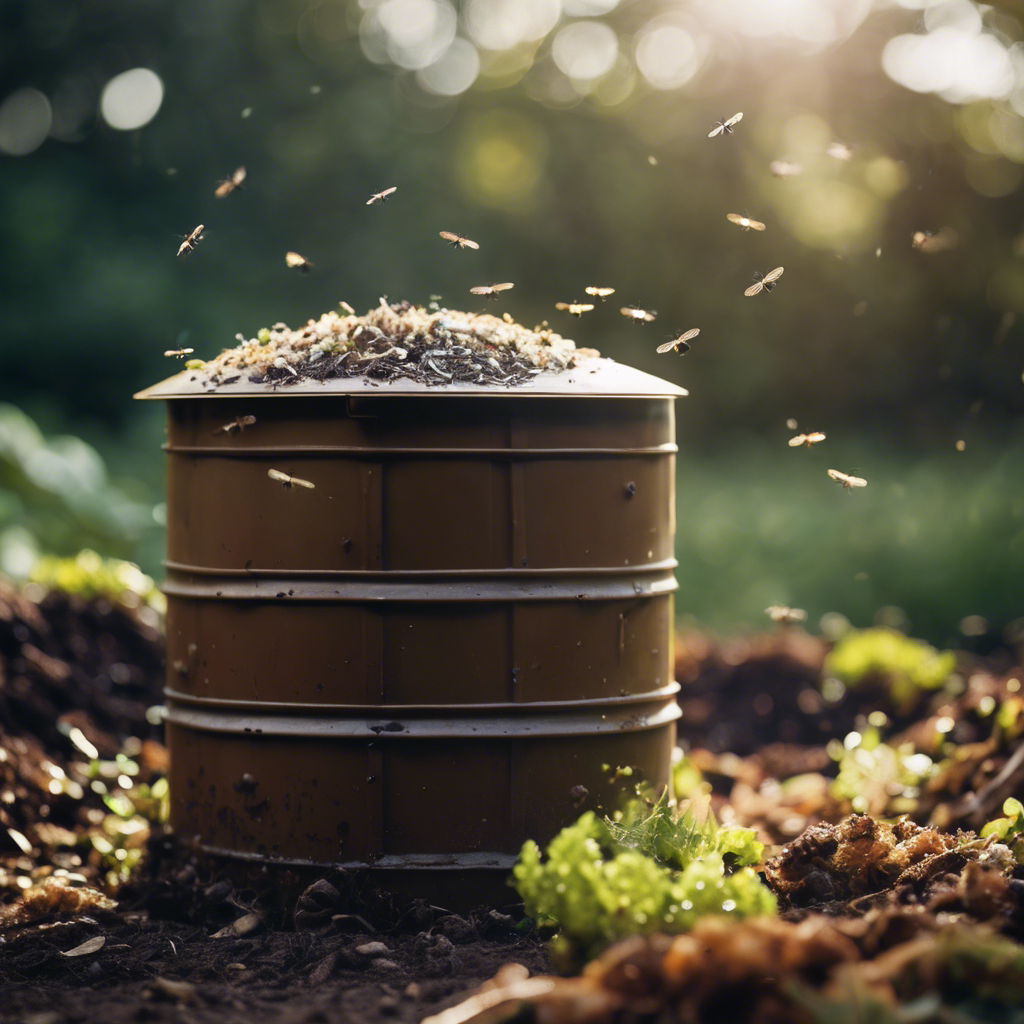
x=399 y=341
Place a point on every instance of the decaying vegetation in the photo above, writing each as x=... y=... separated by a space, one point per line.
x=397 y=341
x=847 y=844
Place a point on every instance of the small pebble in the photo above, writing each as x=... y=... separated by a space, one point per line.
x=383 y=964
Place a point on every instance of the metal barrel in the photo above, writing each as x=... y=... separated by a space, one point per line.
x=448 y=645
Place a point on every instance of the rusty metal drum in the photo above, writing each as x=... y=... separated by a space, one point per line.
x=444 y=647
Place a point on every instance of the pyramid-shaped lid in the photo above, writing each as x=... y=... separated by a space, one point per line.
x=592 y=377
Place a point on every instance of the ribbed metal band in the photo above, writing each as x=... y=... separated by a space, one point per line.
x=641 y=715
x=597 y=584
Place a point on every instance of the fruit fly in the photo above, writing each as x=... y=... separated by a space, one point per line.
x=491 y=291
x=191 y=240
x=935 y=241
x=228 y=185
x=725 y=125
x=293 y=259
x=785 y=615
x=577 y=309
x=638 y=315
x=746 y=223
x=289 y=481
x=179 y=352
x=784 y=169
x=458 y=241
x=381 y=197
x=680 y=344
x=237 y=425
x=846 y=480
x=764 y=282
x=598 y=292
x=807 y=439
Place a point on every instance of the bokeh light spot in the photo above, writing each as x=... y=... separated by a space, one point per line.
x=25 y=119
x=585 y=49
x=502 y=159
x=131 y=99
x=454 y=72
x=885 y=176
x=666 y=54
x=502 y=24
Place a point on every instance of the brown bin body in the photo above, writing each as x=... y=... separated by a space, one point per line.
x=413 y=666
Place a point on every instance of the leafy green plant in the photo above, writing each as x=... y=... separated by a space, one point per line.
x=1010 y=829
x=877 y=778
x=88 y=575
x=908 y=666
x=652 y=870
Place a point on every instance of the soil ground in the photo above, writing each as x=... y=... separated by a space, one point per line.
x=184 y=939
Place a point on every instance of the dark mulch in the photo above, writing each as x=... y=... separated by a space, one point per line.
x=153 y=970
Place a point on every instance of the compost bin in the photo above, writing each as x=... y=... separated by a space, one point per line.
x=451 y=643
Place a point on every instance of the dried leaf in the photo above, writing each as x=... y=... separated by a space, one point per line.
x=93 y=945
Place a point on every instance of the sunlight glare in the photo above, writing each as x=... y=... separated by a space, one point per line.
x=585 y=49
x=502 y=24
x=666 y=54
x=25 y=119
x=131 y=100
x=454 y=72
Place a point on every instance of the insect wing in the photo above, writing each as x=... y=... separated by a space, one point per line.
x=735 y=119
x=717 y=130
x=815 y=437
x=690 y=334
x=466 y=243
x=294 y=259
x=754 y=288
x=773 y=275
x=450 y=236
x=795 y=442
x=668 y=346
x=224 y=188
x=483 y=289
x=284 y=478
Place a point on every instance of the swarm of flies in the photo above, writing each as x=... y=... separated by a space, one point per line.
x=747 y=223
x=458 y=241
x=935 y=241
x=784 y=615
x=289 y=481
x=680 y=344
x=191 y=240
x=491 y=291
x=229 y=185
x=764 y=282
x=638 y=315
x=297 y=262
x=847 y=481
x=725 y=125
x=784 y=169
x=806 y=439
x=576 y=309
x=236 y=426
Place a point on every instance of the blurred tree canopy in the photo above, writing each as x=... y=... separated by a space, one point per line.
x=568 y=137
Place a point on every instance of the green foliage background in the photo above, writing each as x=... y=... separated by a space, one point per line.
x=895 y=356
